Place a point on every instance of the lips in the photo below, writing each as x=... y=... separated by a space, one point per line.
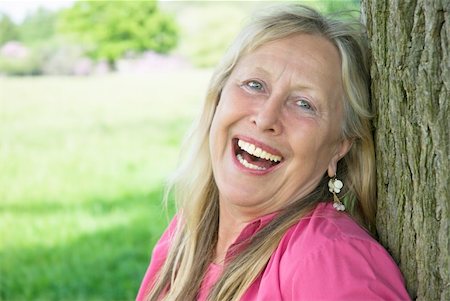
x=255 y=156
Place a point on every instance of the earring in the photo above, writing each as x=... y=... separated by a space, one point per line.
x=335 y=186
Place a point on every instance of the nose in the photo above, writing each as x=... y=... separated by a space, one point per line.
x=268 y=117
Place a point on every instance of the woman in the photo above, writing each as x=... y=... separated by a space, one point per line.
x=278 y=183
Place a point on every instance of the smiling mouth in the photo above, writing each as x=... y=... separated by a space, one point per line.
x=253 y=157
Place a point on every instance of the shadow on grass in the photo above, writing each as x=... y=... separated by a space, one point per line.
x=106 y=264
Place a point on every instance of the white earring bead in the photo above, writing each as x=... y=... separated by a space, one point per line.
x=335 y=186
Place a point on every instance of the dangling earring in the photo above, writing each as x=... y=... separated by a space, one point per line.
x=335 y=186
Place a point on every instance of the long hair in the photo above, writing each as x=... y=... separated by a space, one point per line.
x=196 y=193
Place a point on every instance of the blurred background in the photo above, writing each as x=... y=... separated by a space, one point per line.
x=95 y=98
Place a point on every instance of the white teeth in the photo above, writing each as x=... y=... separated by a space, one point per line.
x=257 y=152
x=247 y=164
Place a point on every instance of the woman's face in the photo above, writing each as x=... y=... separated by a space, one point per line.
x=276 y=129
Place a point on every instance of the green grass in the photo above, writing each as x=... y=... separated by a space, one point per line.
x=82 y=168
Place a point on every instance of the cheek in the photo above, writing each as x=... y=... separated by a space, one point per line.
x=218 y=132
x=235 y=98
x=218 y=123
x=311 y=143
x=230 y=109
x=214 y=132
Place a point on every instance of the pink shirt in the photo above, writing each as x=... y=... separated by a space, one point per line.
x=325 y=256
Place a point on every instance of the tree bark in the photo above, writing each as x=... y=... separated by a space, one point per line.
x=410 y=69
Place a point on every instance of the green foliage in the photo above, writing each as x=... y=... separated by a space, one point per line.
x=332 y=6
x=83 y=162
x=29 y=64
x=8 y=30
x=350 y=8
x=38 y=26
x=207 y=30
x=115 y=28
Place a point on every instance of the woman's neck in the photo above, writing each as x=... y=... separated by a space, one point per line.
x=231 y=223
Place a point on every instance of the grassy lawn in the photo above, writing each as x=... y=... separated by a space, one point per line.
x=82 y=169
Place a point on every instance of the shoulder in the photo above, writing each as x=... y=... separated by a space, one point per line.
x=328 y=254
x=326 y=225
x=159 y=255
x=324 y=228
x=162 y=246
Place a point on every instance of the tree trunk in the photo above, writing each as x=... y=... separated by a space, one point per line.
x=410 y=70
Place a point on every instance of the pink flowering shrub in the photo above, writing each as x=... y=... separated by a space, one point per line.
x=16 y=59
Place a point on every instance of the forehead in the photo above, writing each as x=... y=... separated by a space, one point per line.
x=300 y=49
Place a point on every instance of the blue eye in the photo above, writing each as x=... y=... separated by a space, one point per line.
x=254 y=85
x=302 y=103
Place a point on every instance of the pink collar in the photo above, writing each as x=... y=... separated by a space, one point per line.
x=247 y=233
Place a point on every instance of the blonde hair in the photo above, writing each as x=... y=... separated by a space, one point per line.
x=196 y=193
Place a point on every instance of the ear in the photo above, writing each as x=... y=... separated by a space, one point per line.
x=341 y=150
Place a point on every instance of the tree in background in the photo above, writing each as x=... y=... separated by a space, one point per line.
x=207 y=29
x=219 y=22
x=15 y=58
x=410 y=91
x=8 y=30
x=38 y=26
x=113 y=29
x=332 y=6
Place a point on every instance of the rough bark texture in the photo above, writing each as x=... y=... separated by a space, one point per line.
x=410 y=70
